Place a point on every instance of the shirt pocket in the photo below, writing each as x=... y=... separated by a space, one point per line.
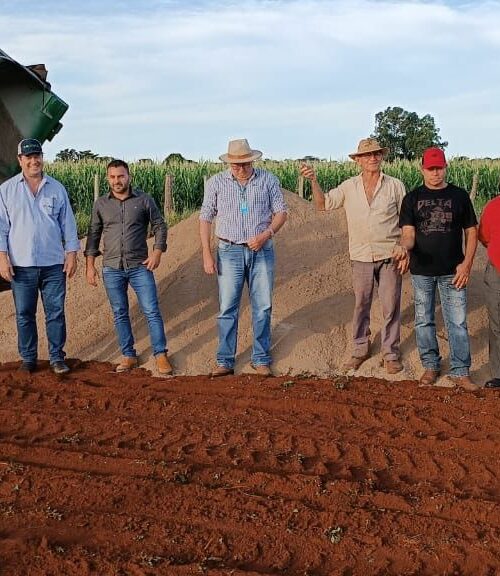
x=51 y=206
x=138 y=213
x=260 y=198
x=385 y=203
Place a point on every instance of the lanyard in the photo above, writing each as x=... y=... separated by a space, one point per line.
x=243 y=199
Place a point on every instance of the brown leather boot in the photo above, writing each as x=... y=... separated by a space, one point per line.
x=464 y=382
x=393 y=366
x=127 y=363
x=219 y=371
x=163 y=365
x=429 y=377
x=262 y=369
x=355 y=362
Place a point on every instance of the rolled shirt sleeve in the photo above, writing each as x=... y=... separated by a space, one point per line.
x=67 y=223
x=94 y=233
x=158 y=226
x=4 y=225
x=278 y=203
x=335 y=197
x=209 y=207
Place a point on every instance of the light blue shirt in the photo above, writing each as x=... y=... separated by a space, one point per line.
x=242 y=212
x=36 y=229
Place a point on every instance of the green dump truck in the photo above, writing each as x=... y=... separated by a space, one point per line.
x=28 y=109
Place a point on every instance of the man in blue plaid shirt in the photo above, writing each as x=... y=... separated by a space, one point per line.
x=249 y=209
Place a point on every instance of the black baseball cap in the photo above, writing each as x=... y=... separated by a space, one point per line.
x=29 y=146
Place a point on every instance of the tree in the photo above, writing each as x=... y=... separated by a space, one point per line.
x=175 y=158
x=405 y=133
x=67 y=155
x=72 y=155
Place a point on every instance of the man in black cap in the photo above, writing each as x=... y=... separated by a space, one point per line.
x=38 y=247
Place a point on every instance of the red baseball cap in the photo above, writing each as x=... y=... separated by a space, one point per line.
x=433 y=158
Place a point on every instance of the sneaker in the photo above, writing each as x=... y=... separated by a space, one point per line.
x=262 y=369
x=163 y=364
x=60 y=367
x=28 y=367
x=127 y=363
x=493 y=383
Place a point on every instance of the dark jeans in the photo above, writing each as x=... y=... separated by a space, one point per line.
x=50 y=281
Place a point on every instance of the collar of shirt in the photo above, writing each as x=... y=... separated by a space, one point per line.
x=43 y=181
x=229 y=175
x=131 y=191
x=380 y=181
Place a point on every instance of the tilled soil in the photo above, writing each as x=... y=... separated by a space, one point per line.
x=113 y=474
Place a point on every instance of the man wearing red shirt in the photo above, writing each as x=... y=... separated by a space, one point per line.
x=489 y=235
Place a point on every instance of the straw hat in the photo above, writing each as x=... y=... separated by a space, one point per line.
x=239 y=152
x=368 y=145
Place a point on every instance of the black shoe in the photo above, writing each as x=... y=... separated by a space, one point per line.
x=493 y=383
x=27 y=367
x=60 y=367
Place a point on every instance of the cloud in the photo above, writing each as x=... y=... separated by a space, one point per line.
x=191 y=67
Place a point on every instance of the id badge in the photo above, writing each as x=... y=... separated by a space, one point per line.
x=244 y=207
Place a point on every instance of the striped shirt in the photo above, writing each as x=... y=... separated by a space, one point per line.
x=242 y=212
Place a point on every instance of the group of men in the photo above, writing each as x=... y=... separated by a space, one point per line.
x=424 y=230
x=389 y=232
x=38 y=248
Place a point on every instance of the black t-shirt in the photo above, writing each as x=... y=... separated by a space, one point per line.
x=439 y=218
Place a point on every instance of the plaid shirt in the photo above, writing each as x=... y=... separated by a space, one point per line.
x=225 y=199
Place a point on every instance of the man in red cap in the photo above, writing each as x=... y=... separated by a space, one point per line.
x=434 y=218
x=489 y=235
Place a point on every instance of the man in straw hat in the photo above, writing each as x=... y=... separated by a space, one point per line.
x=435 y=218
x=372 y=201
x=249 y=209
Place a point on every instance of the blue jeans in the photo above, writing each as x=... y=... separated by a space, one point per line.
x=142 y=282
x=454 y=307
x=237 y=264
x=50 y=281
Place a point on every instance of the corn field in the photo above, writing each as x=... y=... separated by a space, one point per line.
x=188 y=180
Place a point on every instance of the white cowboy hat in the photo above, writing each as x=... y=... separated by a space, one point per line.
x=239 y=152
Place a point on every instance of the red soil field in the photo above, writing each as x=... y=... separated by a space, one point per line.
x=111 y=474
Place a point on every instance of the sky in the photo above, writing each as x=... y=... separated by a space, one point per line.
x=144 y=79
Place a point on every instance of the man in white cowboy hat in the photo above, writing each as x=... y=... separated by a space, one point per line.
x=249 y=209
x=372 y=202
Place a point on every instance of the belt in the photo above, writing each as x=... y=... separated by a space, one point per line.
x=234 y=243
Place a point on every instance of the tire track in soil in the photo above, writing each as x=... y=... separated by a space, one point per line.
x=107 y=474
